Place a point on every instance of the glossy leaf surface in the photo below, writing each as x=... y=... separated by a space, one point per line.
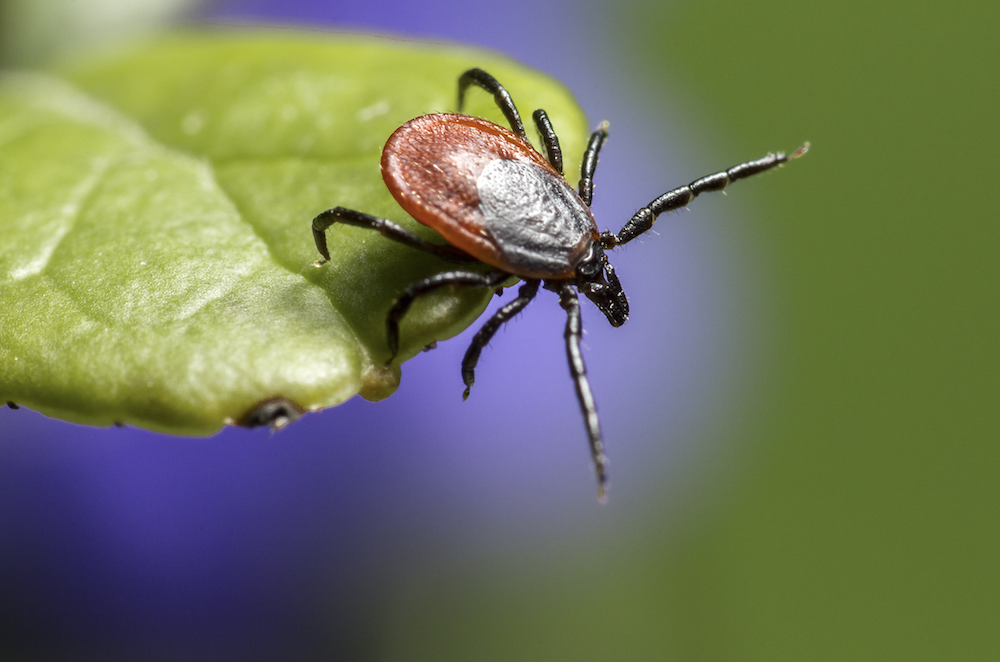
x=156 y=262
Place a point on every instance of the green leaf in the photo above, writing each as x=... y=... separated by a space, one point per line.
x=156 y=260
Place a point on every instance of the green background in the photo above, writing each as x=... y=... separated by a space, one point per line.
x=866 y=525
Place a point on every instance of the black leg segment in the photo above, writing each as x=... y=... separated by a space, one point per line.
x=488 y=330
x=386 y=228
x=500 y=95
x=549 y=139
x=682 y=196
x=446 y=279
x=574 y=330
x=597 y=139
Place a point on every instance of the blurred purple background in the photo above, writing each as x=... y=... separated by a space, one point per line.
x=248 y=544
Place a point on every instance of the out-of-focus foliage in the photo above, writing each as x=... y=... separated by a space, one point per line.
x=34 y=31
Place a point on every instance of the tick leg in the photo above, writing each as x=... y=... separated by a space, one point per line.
x=446 y=279
x=597 y=139
x=488 y=330
x=682 y=196
x=574 y=330
x=500 y=95
x=385 y=227
x=549 y=138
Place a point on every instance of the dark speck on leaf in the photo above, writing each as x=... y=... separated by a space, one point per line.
x=275 y=412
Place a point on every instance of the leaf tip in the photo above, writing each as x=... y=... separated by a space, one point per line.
x=379 y=382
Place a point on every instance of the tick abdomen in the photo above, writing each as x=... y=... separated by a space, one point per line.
x=536 y=219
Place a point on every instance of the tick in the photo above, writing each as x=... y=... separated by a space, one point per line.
x=497 y=201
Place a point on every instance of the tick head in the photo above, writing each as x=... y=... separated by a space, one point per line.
x=596 y=279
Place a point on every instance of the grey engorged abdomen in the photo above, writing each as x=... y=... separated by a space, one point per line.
x=536 y=218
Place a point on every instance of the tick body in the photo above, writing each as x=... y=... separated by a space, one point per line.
x=497 y=201
x=487 y=191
